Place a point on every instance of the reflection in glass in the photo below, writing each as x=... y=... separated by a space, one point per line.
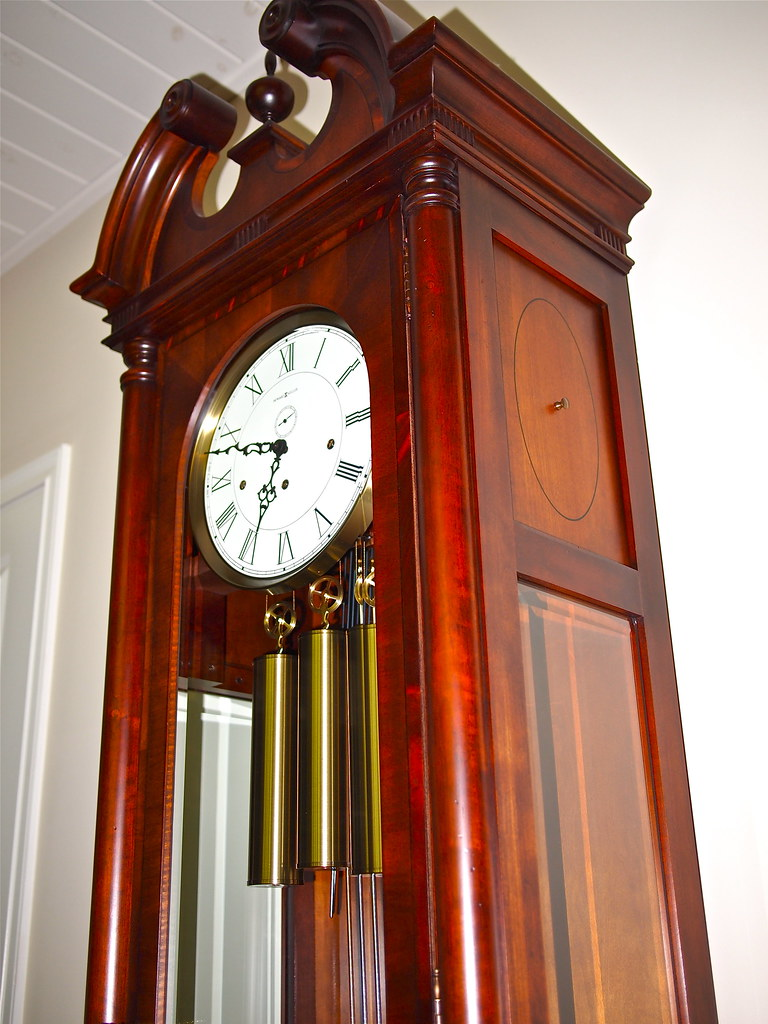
x=225 y=936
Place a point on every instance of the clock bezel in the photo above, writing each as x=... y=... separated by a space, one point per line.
x=355 y=524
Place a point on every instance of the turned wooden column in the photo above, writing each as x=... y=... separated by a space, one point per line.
x=466 y=936
x=112 y=956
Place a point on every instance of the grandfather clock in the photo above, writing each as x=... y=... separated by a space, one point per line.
x=413 y=337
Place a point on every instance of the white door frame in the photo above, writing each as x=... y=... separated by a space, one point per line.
x=44 y=484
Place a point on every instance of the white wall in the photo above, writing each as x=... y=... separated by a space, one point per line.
x=60 y=386
x=678 y=91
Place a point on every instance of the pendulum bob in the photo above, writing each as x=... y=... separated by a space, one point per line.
x=322 y=778
x=272 y=853
x=365 y=792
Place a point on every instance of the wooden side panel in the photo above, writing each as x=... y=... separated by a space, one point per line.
x=572 y=513
x=560 y=402
x=598 y=861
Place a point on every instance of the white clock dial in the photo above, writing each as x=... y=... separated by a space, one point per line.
x=281 y=469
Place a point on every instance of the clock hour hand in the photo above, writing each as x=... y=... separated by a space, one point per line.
x=268 y=493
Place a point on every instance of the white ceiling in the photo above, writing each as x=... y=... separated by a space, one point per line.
x=81 y=78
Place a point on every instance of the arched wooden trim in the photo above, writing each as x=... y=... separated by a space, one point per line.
x=138 y=209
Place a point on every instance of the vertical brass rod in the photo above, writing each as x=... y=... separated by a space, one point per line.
x=363 y=958
x=350 y=951
x=376 y=951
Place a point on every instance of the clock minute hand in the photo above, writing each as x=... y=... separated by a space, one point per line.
x=279 y=447
x=267 y=492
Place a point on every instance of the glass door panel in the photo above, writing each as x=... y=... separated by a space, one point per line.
x=601 y=905
x=225 y=945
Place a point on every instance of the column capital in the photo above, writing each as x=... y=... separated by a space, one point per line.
x=140 y=356
x=431 y=180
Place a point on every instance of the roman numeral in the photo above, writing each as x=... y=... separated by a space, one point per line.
x=227 y=433
x=348 y=470
x=226 y=519
x=358 y=417
x=286 y=358
x=319 y=354
x=349 y=369
x=284 y=549
x=222 y=481
x=323 y=522
x=248 y=550
x=254 y=387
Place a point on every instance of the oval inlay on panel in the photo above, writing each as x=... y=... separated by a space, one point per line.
x=556 y=409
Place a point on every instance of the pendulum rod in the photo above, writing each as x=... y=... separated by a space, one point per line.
x=376 y=953
x=350 y=950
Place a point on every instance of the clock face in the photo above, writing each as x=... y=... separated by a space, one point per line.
x=280 y=477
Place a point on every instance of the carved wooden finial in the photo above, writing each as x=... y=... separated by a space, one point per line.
x=269 y=99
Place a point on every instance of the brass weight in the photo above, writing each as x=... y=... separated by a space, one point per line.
x=364 y=751
x=322 y=755
x=272 y=848
x=365 y=791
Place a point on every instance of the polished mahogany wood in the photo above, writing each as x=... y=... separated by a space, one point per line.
x=438 y=201
x=115 y=906
x=461 y=784
x=543 y=558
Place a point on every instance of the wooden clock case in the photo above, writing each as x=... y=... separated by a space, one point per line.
x=475 y=244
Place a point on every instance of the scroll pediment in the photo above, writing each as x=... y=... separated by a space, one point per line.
x=390 y=87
